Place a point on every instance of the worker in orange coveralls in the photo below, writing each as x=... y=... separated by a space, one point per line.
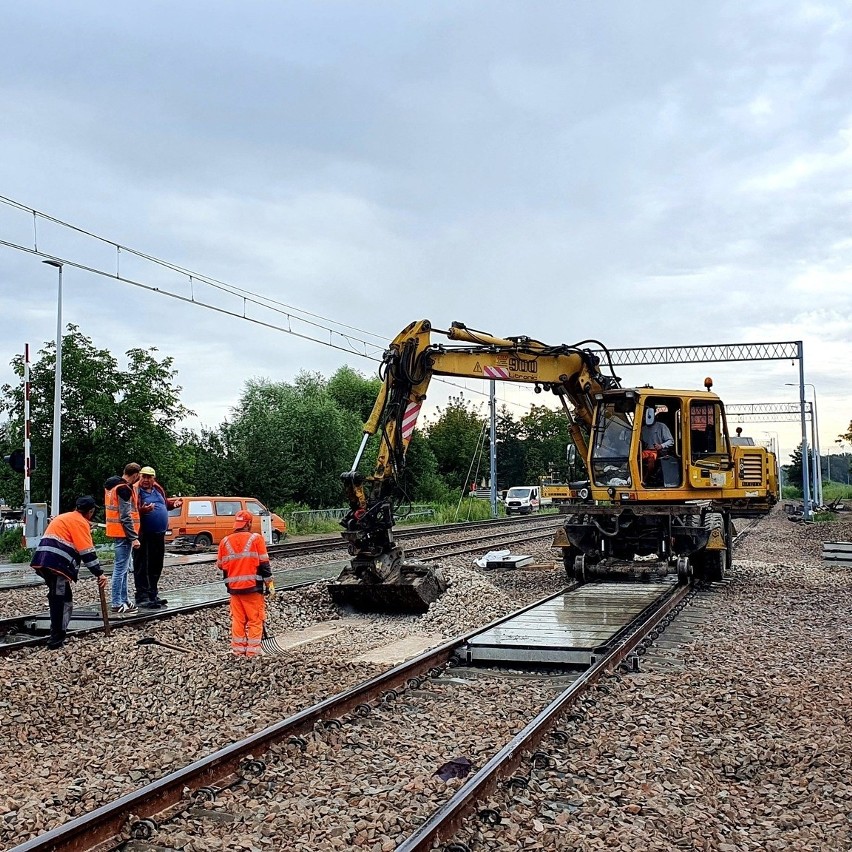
x=244 y=563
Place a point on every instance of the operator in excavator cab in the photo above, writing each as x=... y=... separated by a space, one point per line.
x=657 y=441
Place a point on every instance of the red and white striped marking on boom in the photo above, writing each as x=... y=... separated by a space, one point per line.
x=496 y=372
x=409 y=419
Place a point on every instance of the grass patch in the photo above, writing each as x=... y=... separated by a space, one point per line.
x=826 y=518
x=10 y=542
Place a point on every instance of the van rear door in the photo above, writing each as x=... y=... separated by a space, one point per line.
x=199 y=519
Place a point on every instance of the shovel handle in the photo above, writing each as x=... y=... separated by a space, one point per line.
x=104 y=611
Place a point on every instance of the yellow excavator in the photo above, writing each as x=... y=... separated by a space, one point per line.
x=664 y=476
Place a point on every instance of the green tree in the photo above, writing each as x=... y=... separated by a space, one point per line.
x=109 y=416
x=793 y=471
x=421 y=481
x=511 y=450
x=547 y=438
x=289 y=443
x=354 y=392
x=455 y=438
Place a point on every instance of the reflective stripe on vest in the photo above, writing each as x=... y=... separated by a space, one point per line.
x=114 y=527
x=241 y=568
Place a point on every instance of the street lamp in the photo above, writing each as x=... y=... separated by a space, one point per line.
x=815 y=433
x=57 y=398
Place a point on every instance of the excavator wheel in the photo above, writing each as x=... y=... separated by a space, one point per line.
x=569 y=555
x=580 y=569
x=711 y=565
x=716 y=566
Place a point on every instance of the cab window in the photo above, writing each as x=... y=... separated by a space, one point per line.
x=200 y=507
x=256 y=508
x=611 y=447
x=706 y=435
x=227 y=507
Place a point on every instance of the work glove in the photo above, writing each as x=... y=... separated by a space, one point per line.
x=269 y=588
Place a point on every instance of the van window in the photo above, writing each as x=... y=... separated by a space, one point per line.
x=200 y=507
x=174 y=513
x=228 y=507
x=256 y=508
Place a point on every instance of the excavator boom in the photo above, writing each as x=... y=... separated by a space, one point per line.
x=379 y=576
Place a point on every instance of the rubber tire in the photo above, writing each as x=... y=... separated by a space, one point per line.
x=276 y=536
x=203 y=540
x=716 y=566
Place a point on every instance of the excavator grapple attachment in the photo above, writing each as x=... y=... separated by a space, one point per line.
x=388 y=583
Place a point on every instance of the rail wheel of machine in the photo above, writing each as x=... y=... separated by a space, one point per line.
x=580 y=569
x=569 y=555
x=684 y=570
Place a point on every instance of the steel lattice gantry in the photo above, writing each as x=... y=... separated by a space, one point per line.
x=781 y=350
x=788 y=350
x=770 y=412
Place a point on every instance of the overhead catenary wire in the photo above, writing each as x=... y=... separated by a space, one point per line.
x=318 y=329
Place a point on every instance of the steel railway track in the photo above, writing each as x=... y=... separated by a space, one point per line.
x=171 y=796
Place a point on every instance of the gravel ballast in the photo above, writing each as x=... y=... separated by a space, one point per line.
x=740 y=743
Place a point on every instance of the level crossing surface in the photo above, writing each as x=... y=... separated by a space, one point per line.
x=574 y=627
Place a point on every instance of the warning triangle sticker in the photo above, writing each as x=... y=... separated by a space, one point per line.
x=477 y=368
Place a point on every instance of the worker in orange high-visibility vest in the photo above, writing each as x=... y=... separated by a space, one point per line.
x=122 y=526
x=244 y=563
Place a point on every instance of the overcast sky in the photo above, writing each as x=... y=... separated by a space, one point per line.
x=655 y=173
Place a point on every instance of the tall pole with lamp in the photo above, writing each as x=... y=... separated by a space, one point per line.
x=57 y=399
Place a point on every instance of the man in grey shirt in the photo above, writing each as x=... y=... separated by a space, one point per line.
x=655 y=435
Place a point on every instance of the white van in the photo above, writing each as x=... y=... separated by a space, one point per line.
x=523 y=499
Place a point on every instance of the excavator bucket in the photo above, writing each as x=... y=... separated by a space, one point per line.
x=388 y=585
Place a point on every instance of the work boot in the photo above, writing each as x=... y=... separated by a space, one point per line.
x=56 y=642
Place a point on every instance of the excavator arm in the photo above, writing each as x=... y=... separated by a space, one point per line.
x=379 y=576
